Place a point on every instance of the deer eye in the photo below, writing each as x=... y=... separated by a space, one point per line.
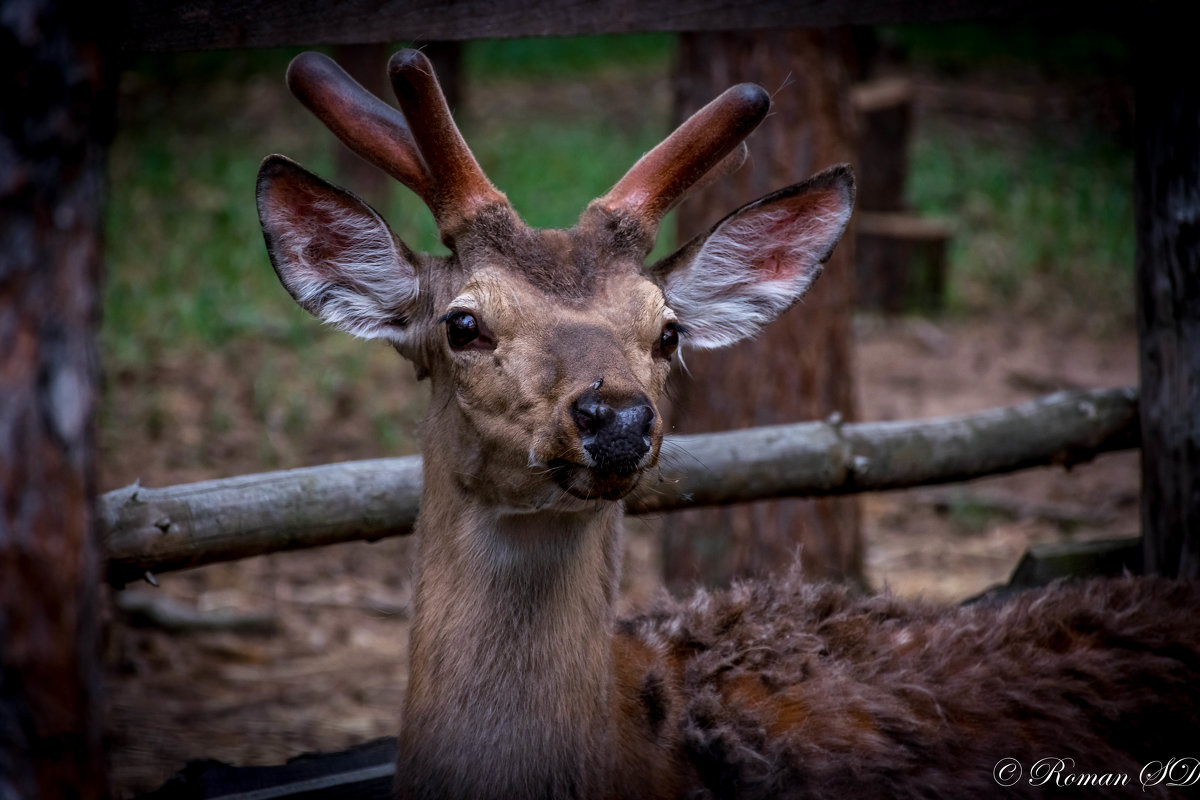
x=461 y=329
x=668 y=341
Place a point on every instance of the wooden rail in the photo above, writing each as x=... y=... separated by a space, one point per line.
x=166 y=25
x=155 y=530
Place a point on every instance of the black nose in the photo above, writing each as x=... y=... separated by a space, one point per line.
x=616 y=434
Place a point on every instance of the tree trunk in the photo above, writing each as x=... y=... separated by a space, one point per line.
x=54 y=129
x=1167 y=191
x=800 y=368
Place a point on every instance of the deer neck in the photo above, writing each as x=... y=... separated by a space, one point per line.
x=510 y=650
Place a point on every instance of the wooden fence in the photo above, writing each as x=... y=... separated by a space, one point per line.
x=156 y=530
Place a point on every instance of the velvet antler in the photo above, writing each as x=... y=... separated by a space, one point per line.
x=708 y=142
x=421 y=147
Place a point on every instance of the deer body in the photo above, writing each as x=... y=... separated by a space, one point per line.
x=548 y=353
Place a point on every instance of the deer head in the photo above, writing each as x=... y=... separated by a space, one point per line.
x=548 y=350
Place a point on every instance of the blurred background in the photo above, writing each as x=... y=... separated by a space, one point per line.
x=1018 y=235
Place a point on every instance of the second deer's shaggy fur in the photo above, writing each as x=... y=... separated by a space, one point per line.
x=786 y=689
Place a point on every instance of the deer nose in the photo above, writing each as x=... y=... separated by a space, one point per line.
x=616 y=435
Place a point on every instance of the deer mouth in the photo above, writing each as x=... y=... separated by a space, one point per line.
x=593 y=482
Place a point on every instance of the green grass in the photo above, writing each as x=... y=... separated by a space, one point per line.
x=186 y=260
x=1043 y=215
x=1042 y=226
x=541 y=169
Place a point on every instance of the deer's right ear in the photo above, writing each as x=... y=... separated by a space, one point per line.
x=754 y=264
x=334 y=254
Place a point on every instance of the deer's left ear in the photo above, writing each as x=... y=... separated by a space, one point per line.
x=334 y=254
x=754 y=264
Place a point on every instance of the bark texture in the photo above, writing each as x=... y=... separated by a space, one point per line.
x=54 y=129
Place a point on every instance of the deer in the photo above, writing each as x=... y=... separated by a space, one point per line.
x=548 y=352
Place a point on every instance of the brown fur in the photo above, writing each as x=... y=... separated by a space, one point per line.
x=792 y=690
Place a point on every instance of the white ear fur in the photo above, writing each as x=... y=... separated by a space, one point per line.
x=334 y=254
x=758 y=261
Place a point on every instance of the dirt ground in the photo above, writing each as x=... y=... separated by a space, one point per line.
x=321 y=665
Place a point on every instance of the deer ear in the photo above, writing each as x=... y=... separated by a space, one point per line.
x=754 y=264
x=334 y=254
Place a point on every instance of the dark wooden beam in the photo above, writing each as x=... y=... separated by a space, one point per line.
x=1167 y=198
x=169 y=25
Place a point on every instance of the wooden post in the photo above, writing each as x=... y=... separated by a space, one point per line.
x=800 y=368
x=54 y=128
x=900 y=258
x=884 y=109
x=1167 y=194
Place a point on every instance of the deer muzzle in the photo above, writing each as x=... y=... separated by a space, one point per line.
x=615 y=435
x=615 y=442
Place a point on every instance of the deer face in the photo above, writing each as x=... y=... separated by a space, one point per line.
x=560 y=395
x=549 y=350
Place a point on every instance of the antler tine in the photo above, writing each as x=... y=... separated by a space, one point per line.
x=366 y=124
x=460 y=187
x=660 y=179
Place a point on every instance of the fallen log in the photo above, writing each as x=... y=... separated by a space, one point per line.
x=149 y=530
